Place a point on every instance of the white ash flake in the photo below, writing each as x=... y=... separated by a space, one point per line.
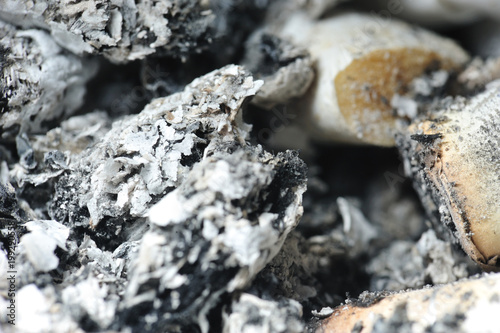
x=223 y=210
x=267 y=316
x=121 y=30
x=323 y=313
x=225 y=230
x=40 y=243
x=142 y=156
x=39 y=81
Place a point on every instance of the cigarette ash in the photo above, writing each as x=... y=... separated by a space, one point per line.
x=286 y=69
x=169 y=219
x=121 y=30
x=320 y=261
x=429 y=261
x=478 y=74
x=164 y=73
x=215 y=239
x=40 y=83
x=124 y=31
x=47 y=158
x=348 y=239
x=145 y=156
x=280 y=316
x=9 y=206
x=199 y=214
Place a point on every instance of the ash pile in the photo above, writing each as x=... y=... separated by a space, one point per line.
x=234 y=166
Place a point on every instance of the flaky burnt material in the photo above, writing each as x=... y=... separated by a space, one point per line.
x=121 y=30
x=40 y=83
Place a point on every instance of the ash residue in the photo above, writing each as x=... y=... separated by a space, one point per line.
x=223 y=210
x=40 y=83
x=213 y=241
x=126 y=30
x=429 y=261
x=286 y=69
x=143 y=157
x=121 y=30
x=286 y=315
x=149 y=205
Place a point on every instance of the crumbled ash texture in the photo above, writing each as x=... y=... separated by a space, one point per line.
x=320 y=261
x=45 y=158
x=212 y=235
x=65 y=286
x=304 y=271
x=264 y=55
x=226 y=208
x=390 y=203
x=479 y=73
x=429 y=261
x=287 y=70
x=40 y=83
x=9 y=206
x=291 y=273
x=285 y=290
x=121 y=30
x=249 y=313
x=145 y=156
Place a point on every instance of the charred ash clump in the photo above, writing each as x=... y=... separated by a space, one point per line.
x=40 y=82
x=215 y=241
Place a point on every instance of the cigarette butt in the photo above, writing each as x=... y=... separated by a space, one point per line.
x=362 y=62
x=457 y=155
x=467 y=299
